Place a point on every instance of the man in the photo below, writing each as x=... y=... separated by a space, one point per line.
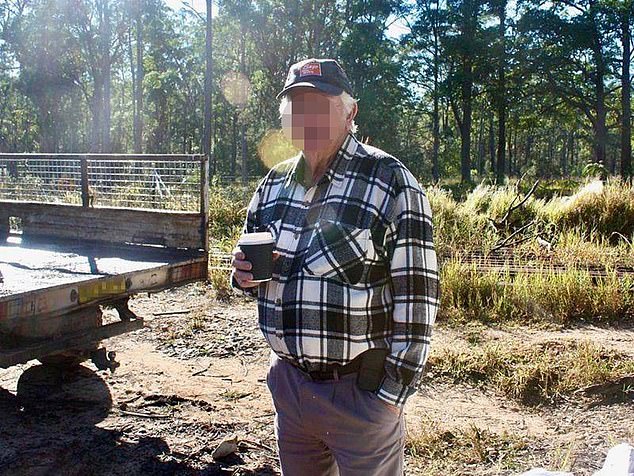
x=349 y=311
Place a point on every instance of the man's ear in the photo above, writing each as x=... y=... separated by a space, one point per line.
x=354 y=112
x=352 y=115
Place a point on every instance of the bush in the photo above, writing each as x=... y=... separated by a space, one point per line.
x=227 y=211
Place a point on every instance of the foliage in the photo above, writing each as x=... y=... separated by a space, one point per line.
x=427 y=74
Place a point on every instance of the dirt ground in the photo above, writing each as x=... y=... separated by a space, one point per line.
x=195 y=377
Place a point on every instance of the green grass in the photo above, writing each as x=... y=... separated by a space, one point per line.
x=562 y=298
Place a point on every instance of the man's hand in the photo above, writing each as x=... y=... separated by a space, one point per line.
x=242 y=267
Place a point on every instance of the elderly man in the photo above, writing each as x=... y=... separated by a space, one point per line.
x=350 y=308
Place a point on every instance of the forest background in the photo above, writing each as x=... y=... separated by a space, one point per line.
x=455 y=88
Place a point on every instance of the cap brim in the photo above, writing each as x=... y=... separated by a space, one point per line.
x=323 y=87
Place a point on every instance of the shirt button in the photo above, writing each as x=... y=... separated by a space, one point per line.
x=278 y=301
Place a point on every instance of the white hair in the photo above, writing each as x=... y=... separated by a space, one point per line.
x=347 y=101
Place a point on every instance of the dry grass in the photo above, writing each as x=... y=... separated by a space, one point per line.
x=220 y=282
x=540 y=373
x=457 y=228
x=597 y=209
x=571 y=295
x=597 y=217
x=442 y=451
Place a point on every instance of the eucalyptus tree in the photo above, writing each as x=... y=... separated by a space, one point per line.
x=572 y=49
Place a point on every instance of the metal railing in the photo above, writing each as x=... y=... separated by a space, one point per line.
x=157 y=181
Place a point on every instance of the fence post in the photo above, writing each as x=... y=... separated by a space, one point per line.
x=85 y=194
x=204 y=200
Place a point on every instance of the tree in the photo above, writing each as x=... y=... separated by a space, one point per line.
x=424 y=44
x=572 y=50
x=464 y=50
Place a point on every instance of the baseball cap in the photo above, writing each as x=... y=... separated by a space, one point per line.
x=323 y=74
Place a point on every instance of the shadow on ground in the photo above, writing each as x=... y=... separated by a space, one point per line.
x=52 y=427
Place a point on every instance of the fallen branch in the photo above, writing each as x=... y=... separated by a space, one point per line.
x=507 y=241
x=167 y=313
x=258 y=445
x=144 y=415
x=200 y=372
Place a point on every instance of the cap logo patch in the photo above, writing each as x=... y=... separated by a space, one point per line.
x=310 y=69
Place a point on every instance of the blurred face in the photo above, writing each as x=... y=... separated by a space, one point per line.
x=314 y=121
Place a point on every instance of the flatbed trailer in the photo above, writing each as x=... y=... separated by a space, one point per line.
x=61 y=263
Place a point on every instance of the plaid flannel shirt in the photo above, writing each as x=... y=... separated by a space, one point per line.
x=357 y=268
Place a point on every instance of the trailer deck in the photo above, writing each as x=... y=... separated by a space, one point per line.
x=59 y=276
x=32 y=265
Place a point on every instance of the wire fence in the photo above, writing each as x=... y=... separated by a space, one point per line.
x=157 y=182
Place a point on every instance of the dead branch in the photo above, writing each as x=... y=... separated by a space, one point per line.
x=513 y=207
x=506 y=242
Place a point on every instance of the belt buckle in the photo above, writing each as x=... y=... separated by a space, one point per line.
x=324 y=375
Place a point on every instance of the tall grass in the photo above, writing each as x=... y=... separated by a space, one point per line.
x=597 y=221
x=227 y=211
x=456 y=227
x=558 y=297
x=605 y=209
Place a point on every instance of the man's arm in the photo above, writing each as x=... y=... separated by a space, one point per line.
x=415 y=291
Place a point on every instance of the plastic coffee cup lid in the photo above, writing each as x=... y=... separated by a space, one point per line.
x=256 y=238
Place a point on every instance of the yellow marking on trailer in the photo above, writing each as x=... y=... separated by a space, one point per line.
x=100 y=289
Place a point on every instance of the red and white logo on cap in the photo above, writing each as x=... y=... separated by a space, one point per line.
x=310 y=69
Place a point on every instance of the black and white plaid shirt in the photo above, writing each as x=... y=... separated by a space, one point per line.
x=357 y=269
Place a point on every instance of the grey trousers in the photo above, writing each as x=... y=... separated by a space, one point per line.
x=333 y=428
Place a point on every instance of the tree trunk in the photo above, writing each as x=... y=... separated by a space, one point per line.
x=501 y=95
x=626 y=110
x=97 y=110
x=469 y=13
x=563 y=161
x=600 y=129
x=528 y=151
x=481 y=147
x=435 y=172
x=208 y=124
x=509 y=152
x=492 y=143
x=107 y=79
x=245 y=168
x=138 y=96
x=234 y=145
x=435 y=169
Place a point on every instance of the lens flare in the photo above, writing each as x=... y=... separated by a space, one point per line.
x=275 y=148
x=235 y=88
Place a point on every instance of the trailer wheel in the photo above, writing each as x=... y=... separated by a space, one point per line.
x=66 y=360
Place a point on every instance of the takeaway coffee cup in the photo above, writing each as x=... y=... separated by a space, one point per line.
x=258 y=249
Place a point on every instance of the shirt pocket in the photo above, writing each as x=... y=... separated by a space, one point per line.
x=338 y=251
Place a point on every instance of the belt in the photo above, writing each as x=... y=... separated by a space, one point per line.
x=331 y=372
